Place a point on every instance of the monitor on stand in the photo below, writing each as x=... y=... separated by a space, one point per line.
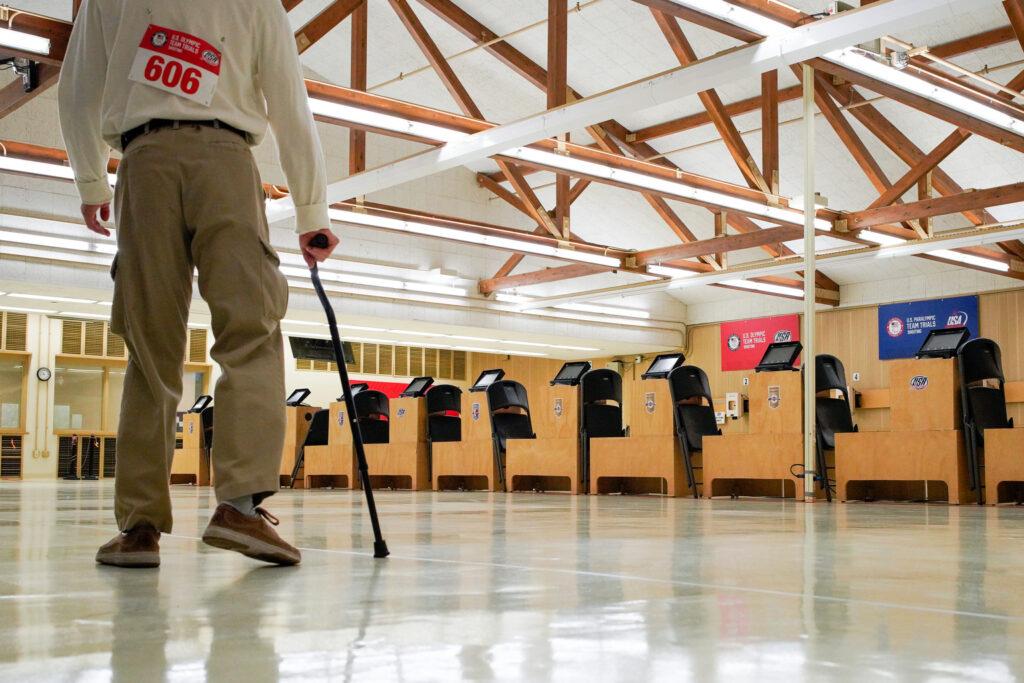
x=296 y=398
x=662 y=365
x=201 y=404
x=417 y=388
x=780 y=356
x=943 y=343
x=572 y=373
x=486 y=379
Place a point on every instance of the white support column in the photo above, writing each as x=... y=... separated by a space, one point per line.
x=810 y=287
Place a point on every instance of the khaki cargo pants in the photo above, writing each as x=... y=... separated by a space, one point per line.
x=191 y=198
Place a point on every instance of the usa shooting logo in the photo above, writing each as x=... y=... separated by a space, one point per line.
x=649 y=403
x=957 y=319
x=783 y=336
x=341 y=419
x=894 y=328
x=919 y=382
x=559 y=409
x=401 y=412
x=475 y=412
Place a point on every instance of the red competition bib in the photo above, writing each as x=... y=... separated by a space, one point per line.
x=178 y=63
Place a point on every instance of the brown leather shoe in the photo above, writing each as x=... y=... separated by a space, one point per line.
x=135 y=548
x=252 y=536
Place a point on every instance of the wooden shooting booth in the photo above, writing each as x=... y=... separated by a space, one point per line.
x=298 y=419
x=469 y=464
x=648 y=459
x=193 y=443
x=552 y=461
x=924 y=446
x=399 y=460
x=760 y=462
x=1004 y=465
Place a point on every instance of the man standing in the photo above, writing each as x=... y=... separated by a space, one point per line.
x=184 y=88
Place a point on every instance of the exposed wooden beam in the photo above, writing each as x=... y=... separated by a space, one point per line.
x=558 y=28
x=694 y=17
x=939 y=206
x=320 y=25
x=722 y=244
x=713 y=104
x=922 y=168
x=973 y=43
x=770 y=129
x=13 y=95
x=948 y=114
x=357 y=80
x=1015 y=12
x=555 y=274
x=437 y=60
x=528 y=197
x=289 y=5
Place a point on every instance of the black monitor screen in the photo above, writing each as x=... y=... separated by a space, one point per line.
x=780 y=356
x=297 y=397
x=311 y=348
x=418 y=386
x=486 y=379
x=572 y=373
x=943 y=343
x=201 y=404
x=662 y=365
x=356 y=387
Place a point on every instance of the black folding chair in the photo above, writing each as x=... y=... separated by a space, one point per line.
x=834 y=415
x=982 y=401
x=442 y=425
x=373 y=415
x=509 y=409
x=694 y=420
x=601 y=411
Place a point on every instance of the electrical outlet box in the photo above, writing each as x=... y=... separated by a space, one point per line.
x=734 y=405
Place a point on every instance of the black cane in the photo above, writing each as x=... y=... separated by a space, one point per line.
x=380 y=548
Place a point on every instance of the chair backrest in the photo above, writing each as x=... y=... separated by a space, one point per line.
x=319 y=428
x=689 y=382
x=833 y=415
x=602 y=403
x=982 y=385
x=442 y=400
x=206 y=420
x=504 y=398
x=371 y=404
x=694 y=421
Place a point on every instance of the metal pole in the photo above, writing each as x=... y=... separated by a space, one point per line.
x=810 y=287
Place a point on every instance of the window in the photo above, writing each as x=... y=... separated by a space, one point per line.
x=115 y=388
x=193 y=385
x=78 y=397
x=12 y=384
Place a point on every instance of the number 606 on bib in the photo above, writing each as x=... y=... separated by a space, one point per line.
x=178 y=63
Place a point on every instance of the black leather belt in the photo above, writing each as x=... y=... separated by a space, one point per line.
x=157 y=124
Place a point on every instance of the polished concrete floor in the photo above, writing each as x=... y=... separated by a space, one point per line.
x=528 y=587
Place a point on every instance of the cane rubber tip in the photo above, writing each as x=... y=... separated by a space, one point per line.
x=380 y=549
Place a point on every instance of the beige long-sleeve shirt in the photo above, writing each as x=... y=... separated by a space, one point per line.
x=104 y=90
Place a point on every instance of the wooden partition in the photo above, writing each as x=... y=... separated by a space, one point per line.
x=1004 y=466
x=551 y=462
x=297 y=423
x=924 y=443
x=401 y=463
x=468 y=464
x=191 y=463
x=760 y=461
x=648 y=460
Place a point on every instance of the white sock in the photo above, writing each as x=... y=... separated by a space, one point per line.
x=243 y=504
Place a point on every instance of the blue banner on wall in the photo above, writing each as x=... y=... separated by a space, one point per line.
x=902 y=328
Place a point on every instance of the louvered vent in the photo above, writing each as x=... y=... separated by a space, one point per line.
x=416 y=361
x=95 y=335
x=385 y=359
x=370 y=359
x=67 y=457
x=15 y=329
x=357 y=354
x=302 y=364
x=10 y=456
x=197 y=345
x=431 y=363
x=71 y=337
x=115 y=346
x=459 y=365
x=444 y=366
x=402 y=361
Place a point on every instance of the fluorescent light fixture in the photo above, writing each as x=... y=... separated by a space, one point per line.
x=42 y=168
x=663 y=186
x=88 y=316
x=24 y=41
x=583 y=308
x=344 y=112
x=57 y=242
x=971 y=259
x=880 y=238
x=417 y=333
x=384 y=283
x=428 y=230
x=764 y=287
x=286 y=321
x=105 y=303
x=507 y=352
x=44 y=297
x=16 y=309
x=674 y=273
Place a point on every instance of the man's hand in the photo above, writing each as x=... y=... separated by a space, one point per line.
x=314 y=256
x=93 y=214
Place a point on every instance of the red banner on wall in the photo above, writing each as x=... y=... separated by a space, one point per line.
x=390 y=389
x=744 y=341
